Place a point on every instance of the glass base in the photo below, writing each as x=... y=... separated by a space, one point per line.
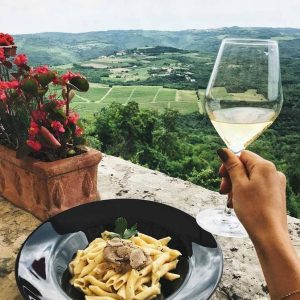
x=215 y=221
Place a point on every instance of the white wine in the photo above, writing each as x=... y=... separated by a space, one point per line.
x=239 y=126
x=243 y=98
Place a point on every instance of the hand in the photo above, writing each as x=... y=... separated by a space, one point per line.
x=258 y=198
x=258 y=193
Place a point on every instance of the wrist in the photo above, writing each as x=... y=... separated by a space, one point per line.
x=265 y=239
x=279 y=262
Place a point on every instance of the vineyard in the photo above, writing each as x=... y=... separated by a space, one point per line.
x=154 y=97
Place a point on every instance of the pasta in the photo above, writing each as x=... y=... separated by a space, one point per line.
x=119 y=269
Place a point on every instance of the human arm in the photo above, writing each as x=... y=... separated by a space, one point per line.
x=259 y=201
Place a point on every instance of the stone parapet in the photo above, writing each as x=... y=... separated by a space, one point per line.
x=117 y=178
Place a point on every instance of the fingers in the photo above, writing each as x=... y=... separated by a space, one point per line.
x=223 y=172
x=225 y=186
x=250 y=160
x=233 y=165
x=229 y=200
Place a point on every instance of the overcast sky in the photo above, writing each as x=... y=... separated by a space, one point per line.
x=30 y=16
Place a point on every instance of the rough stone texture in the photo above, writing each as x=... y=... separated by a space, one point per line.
x=242 y=277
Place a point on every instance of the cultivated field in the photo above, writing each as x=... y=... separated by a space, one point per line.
x=148 y=97
x=249 y=95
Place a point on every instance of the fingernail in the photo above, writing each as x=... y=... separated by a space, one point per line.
x=222 y=154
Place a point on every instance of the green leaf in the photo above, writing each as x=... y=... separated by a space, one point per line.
x=16 y=75
x=61 y=113
x=128 y=233
x=49 y=106
x=72 y=126
x=42 y=90
x=66 y=136
x=120 y=226
x=29 y=86
x=79 y=123
x=79 y=140
x=45 y=79
x=43 y=140
x=25 y=67
x=114 y=235
x=58 y=115
x=23 y=151
x=7 y=64
x=80 y=84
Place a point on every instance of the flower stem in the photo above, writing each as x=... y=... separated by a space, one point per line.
x=68 y=101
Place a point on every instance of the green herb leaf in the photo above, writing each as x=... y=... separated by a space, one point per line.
x=114 y=235
x=128 y=233
x=121 y=231
x=120 y=226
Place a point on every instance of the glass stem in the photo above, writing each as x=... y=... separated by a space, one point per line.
x=237 y=152
x=227 y=211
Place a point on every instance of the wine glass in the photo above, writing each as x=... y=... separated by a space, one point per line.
x=243 y=98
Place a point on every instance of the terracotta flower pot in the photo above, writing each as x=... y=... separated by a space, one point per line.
x=47 y=188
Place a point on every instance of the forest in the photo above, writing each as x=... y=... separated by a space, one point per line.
x=185 y=146
x=179 y=145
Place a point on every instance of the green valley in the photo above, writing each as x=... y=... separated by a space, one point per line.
x=147 y=89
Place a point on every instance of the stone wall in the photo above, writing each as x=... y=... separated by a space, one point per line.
x=242 y=277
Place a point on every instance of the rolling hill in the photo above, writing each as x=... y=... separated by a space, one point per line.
x=61 y=48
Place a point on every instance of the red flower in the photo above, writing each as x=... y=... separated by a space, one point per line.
x=21 y=59
x=3 y=42
x=52 y=96
x=9 y=38
x=57 y=81
x=59 y=103
x=35 y=145
x=4 y=85
x=39 y=115
x=13 y=84
x=73 y=117
x=33 y=129
x=6 y=39
x=78 y=131
x=69 y=75
x=41 y=70
x=3 y=96
x=57 y=126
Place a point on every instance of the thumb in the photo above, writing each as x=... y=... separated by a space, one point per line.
x=233 y=165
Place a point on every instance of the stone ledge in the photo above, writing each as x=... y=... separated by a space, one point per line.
x=242 y=278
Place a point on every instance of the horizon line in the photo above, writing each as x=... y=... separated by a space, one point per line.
x=158 y=30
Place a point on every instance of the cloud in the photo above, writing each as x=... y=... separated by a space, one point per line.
x=91 y=15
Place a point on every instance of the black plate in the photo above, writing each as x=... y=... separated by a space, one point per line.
x=42 y=263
